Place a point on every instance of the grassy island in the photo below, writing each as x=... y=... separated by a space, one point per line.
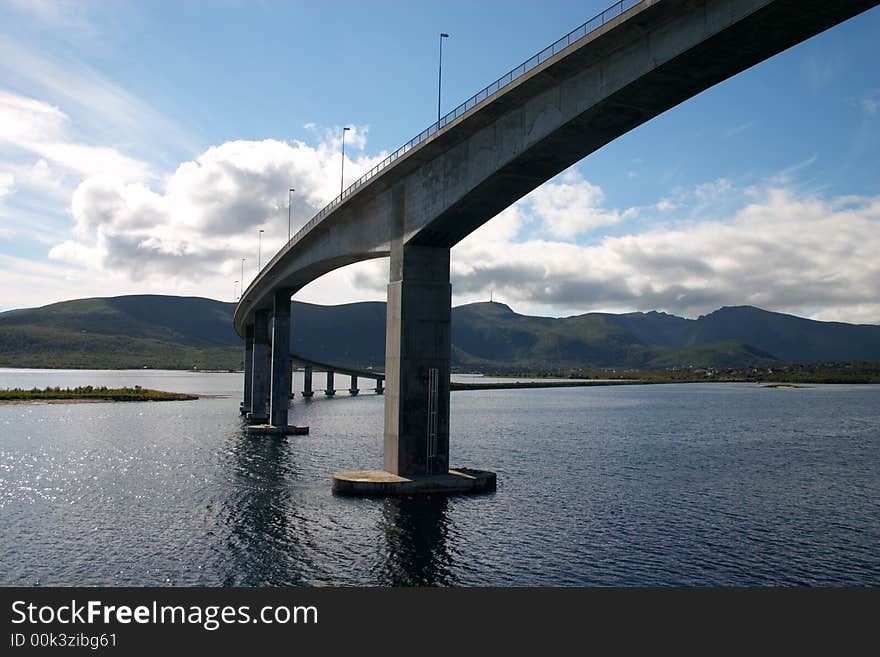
x=91 y=393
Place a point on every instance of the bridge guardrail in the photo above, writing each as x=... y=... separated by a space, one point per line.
x=557 y=46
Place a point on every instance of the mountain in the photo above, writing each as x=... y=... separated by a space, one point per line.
x=186 y=332
x=492 y=335
x=122 y=332
x=790 y=339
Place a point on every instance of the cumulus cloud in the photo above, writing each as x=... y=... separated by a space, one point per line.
x=780 y=250
x=573 y=206
x=205 y=215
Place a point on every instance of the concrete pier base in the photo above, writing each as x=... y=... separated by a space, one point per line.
x=330 y=390
x=257 y=418
x=271 y=430
x=379 y=483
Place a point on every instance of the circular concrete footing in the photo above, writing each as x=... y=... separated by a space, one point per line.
x=271 y=430
x=381 y=483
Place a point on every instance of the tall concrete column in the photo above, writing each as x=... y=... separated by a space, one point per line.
x=260 y=368
x=418 y=349
x=248 y=368
x=279 y=399
x=417 y=354
x=307 y=382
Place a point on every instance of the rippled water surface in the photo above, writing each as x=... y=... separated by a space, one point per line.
x=697 y=484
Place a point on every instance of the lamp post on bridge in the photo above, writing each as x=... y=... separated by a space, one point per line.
x=443 y=35
x=235 y=291
x=289 y=193
x=242 y=273
x=260 y=251
x=342 y=174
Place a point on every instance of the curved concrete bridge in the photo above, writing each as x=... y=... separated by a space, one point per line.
x=622 y=68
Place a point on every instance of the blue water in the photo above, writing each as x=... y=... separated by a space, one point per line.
x=695 y=484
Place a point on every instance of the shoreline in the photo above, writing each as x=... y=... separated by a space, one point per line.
x=515 y=385
x=20 y=402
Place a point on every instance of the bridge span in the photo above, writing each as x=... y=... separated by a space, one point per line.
x=310 y=366
x=627 y=65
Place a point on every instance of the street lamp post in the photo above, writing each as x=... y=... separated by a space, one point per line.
x=242 y=274
x=260 y=251
x=235 y=291
x=443 y=35
x=289 y=192
x=342 y=176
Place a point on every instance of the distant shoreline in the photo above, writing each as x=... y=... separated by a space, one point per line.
x=516 y=385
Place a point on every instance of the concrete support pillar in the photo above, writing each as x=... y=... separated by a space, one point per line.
x=417 y=355
x=307 y=382
x=260 y=369
x=248 y=368
x=353 y=389
x=380 y=386
x=279 y=401
x=329 y=390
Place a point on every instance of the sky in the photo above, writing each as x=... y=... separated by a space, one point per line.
x=143 y=145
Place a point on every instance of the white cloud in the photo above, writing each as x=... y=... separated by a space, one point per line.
x=206 y=215
x=780 y=250
x=103 y=110
x=41 y=129
x=573 y=206
x=25 y=120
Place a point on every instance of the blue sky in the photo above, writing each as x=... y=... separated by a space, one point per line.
x=142 y=145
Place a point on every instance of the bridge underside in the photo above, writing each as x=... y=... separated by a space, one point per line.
x=653 y=57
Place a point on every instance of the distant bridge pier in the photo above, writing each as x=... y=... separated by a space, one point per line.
x=279 y=371
x=245 y=407
x=307 y=382
x=380 y=386
x=329 y=390
x=353 y=388
x=417 y=357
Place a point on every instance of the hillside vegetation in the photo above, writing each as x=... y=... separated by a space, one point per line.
x=189 y=332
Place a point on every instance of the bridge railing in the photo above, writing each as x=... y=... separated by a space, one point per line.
x=554 y=48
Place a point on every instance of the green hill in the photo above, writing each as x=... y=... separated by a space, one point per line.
x=190 y=332
x=122 y=332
